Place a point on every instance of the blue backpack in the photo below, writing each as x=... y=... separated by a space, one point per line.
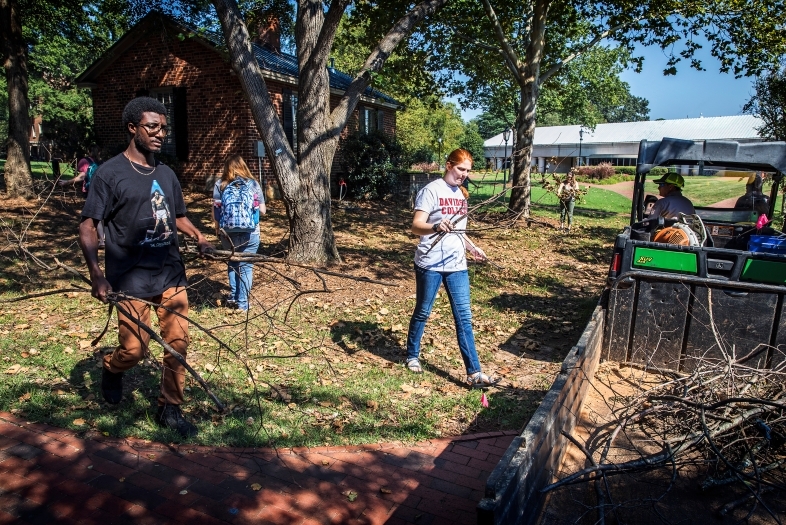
x=89 y=176
x=237 y=207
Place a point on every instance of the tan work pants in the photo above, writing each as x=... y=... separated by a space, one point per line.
x=134 y=341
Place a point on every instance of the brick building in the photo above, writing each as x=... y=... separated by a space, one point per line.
x=207 y=111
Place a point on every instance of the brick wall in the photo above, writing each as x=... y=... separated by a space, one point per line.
x=218 y=117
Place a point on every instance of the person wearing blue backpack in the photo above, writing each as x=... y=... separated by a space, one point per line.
x=86 y=168
x=238 y=202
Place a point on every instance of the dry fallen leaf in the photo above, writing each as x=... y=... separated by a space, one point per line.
x=256 y=486
x=25 y=355
x=68 y=350
x=385 y=490
x=13 y=369
x=22 y=326
x=325 y=462
x=407 y=388
x=372 y=405
x=24 y=397
x=79 y=422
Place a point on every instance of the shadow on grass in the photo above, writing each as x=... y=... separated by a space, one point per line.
x=512 y=408
x=548 y=335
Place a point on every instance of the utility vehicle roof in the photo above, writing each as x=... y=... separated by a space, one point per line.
x=761 y=156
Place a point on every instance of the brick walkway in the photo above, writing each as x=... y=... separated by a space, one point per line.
x=50 y=475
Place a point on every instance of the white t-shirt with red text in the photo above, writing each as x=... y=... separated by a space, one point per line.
x=442 y=201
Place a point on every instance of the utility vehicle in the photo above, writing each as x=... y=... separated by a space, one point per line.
x=715 y=285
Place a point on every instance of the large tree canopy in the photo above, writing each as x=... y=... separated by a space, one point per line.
x=497 y=43
x=769 y=103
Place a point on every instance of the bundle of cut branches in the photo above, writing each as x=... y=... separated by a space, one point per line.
x=728 y=415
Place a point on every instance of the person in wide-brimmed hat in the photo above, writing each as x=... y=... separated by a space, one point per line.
x=672 y=202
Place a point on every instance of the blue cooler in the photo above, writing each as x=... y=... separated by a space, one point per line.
x=767 y=244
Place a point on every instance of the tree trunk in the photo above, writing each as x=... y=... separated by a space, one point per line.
x=305 y=180
x=521 y=194
x=311 y=229
x=528 y=78
x=17 y=175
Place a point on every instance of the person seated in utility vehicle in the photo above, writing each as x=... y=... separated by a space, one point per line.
x=649 y=202
x=753 y=199
x=672 y=201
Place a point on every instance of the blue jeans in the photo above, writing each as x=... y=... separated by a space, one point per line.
x=241 y=274
x=457 y=285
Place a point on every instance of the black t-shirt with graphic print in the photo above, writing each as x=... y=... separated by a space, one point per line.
x=139 y=211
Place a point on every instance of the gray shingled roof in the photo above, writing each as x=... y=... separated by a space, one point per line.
x=284 y=63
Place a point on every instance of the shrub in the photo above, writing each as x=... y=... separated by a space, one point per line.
x=422 y=154
x=372 y=163
x=631 y=170
x=602 y=171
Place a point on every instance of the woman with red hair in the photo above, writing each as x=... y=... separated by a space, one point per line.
x=440 y=258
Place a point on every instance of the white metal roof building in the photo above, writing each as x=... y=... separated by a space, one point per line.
x=618 y=143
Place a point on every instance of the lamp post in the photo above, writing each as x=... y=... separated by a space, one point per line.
x=581 y=139
x=505 y=137
x=439 y=158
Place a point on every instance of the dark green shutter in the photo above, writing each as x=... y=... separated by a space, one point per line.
x=181 y=123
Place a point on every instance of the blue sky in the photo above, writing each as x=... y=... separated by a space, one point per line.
x=690 y=93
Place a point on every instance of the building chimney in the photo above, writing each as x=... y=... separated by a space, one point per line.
x=268 y=32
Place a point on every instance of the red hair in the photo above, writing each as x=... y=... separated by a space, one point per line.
x=457 y=156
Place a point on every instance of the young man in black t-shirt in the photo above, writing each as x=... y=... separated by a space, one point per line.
x=141 y=204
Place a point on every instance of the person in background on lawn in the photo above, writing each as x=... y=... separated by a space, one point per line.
x=241 y=274
x=82 y=167
x=140 y=263
x=441 y=208
x=566 y=192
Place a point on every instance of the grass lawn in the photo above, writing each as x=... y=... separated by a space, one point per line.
x=320 y=360
x=42 y=170
x=703 y=191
